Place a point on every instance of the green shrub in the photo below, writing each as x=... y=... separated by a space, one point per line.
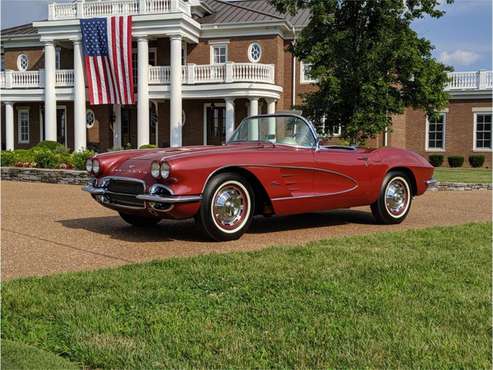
x=476 y=160
x=436 y=160
x=79 y=159
x=46 y=159
x=455 y=161
x=147 y=146
x=50 y=145
x=7 y=158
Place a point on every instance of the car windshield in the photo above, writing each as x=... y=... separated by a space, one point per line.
x=287 y=130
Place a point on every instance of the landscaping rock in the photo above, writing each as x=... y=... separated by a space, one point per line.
x=73 y=177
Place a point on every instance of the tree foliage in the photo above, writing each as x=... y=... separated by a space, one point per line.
x=368 y=62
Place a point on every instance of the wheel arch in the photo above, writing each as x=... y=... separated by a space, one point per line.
x=263 y=204
x=409 y=173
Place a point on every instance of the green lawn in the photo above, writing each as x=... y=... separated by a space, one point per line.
x=417 y=299
x=20 y=356
x=468 y=175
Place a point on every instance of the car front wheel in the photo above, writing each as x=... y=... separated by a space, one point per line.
x=394 y=202
x=139 y=221
x=227 y=207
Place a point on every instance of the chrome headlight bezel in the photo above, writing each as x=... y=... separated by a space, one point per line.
x=89 y=165
x=155 y=170
x=96 y=166
x=165 y=170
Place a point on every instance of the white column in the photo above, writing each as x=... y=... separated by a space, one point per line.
x=253 y=108
x=80 y=137
x=50 y=96
x=142 y=91
x=271 y=109
x=117 y=126
x=9 y=125
x=253 y=111
x=230 y=117
x=175 y=92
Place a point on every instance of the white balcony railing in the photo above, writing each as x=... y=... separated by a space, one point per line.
x=64 y=78
x=160 y=75
x=477 y=80
x=83 y=9
x=216 y=73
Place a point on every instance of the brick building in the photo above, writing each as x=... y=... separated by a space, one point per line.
x=199 y=67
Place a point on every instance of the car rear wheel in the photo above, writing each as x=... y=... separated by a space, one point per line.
x=139 y=221
x=226 y=211
x=395 y=199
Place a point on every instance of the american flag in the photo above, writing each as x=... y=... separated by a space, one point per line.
x=107 y=44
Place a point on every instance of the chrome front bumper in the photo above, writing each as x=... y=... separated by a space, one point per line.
x=150 y=200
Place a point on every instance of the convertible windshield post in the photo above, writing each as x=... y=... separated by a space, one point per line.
x=283 y=129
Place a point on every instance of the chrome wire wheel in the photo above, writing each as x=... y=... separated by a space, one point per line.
x=397 y=197
x=231 y=206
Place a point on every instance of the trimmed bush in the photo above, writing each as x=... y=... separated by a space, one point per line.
x=436 y=160
x=455 y=161
x=50 y=145
x=476 y=160
x=147 y=146
x=79 y=159
x=46 y=159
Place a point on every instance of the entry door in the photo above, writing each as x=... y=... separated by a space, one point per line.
x=215 y=124
x=126 y=127
x=61 y=123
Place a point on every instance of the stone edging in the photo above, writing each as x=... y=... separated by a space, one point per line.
x=81 y=178
x=73 y=177
x=459 y=186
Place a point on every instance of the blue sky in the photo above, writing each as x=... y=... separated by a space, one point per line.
x=462 y=37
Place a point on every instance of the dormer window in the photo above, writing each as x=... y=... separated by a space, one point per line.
x=22 y=62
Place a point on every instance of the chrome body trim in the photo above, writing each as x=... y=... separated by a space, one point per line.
x=253 y=165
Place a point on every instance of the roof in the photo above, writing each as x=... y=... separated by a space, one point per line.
x=23 y=30
x=250 y=11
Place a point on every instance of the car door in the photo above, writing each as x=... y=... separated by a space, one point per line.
x=341 y=177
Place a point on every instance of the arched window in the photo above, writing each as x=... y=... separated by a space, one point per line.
x=254 y=52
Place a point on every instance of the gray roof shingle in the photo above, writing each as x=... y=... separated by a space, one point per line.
x=23 y=30
x=250 y=11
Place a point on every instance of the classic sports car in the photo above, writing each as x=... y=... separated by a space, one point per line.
x=272 y=165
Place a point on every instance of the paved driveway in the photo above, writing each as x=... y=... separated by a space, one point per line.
x=50 y=228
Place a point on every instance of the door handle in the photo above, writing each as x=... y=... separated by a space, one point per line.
x=362 y=158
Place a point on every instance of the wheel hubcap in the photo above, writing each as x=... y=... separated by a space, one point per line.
x=229 y=206
x=396 y=197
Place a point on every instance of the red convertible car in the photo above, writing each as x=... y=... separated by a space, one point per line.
x=272 y=165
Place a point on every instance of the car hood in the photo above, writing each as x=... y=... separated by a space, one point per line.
x=168 y=153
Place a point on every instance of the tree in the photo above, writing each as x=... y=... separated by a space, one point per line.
x=368 y=62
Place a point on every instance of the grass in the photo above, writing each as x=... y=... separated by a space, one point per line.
x=20 y=356
x=416 y=299
x=467 y=175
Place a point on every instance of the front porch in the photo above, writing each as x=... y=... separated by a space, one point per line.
x=218 y=85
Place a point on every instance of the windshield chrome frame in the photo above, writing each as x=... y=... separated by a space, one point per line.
x=315 y=146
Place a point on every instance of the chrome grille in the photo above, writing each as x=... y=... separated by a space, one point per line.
x=124 y=192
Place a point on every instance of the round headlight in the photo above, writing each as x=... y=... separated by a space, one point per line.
x=155 y=169
x=95 y=166
x=164 y=170
x=89 y=165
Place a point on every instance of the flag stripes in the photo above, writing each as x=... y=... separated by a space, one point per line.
x=107 y=44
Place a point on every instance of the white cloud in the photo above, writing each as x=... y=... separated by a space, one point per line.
x=459 y=57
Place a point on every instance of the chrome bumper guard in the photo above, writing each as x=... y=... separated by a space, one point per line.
x=431 y=182
x=151 y=199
